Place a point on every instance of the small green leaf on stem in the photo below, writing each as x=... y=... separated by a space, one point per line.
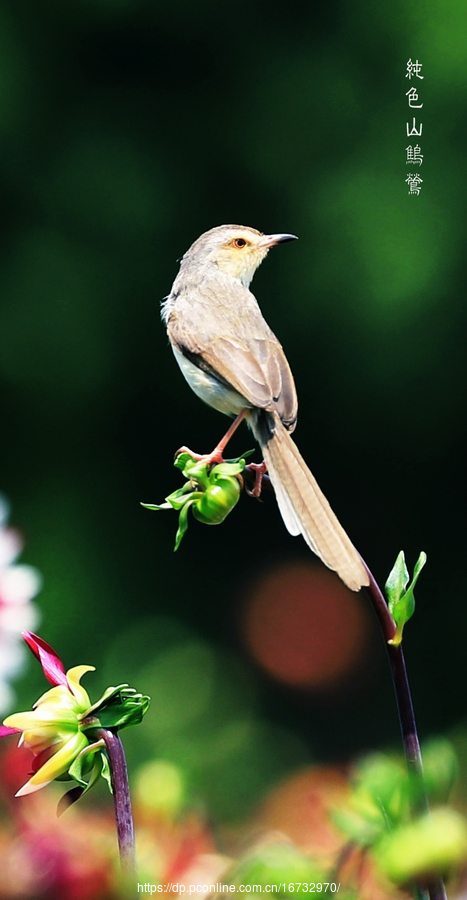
x=397 y=581
x=401 y=600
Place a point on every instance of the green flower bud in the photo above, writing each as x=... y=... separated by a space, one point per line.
x=210 y=491
x=217 y=501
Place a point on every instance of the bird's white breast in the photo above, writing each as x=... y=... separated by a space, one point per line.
x=208 y=388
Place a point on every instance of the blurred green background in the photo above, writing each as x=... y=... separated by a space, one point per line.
x=126 y=129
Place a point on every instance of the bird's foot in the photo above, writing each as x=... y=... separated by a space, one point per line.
x=210 y=459
x=217 y=455
x=258 y=470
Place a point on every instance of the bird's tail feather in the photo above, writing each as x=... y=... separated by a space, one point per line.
x=302 y=504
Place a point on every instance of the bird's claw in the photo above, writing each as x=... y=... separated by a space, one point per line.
x=258 y=470
x=210 y=459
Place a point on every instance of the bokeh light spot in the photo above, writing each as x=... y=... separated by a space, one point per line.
x=180 y=683
x=159 y=787
x=304 y=626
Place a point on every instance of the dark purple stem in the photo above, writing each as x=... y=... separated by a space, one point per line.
x=407 y=719
x=122 y=803
x=380 y=606
x=410 y=740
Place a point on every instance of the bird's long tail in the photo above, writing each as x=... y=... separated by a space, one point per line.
x=302 y=504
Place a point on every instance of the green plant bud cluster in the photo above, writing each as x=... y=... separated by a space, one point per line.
x=210 y=491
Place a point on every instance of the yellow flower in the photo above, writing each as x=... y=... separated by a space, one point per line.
x=52 y=729
x=66 y=733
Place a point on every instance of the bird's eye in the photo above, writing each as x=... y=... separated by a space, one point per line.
x=240 y=242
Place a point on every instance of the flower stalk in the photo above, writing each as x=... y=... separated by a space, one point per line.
x=73 y=739
x=410 y=739
x=122 y=802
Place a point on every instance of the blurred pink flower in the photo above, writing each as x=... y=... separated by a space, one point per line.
x=18 y=585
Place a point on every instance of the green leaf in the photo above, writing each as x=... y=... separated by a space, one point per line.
x=181 y=460
x=106 y=696
x=124 y=712
x=96 y=771
x=154 y=506
x=84 y=764
x=240 y=459
x=175 y=500
x=401 y=599
x=117 y=708
x=71 y=796
x=179 y=497
x=418 y=568
x=197 y=470
x=105 y=771
x=401 y=615
x=182 y=523
x=228 y=470
x=397 y=581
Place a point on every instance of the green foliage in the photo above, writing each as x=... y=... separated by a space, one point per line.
x=431 y=845
x=378 y=815
x=440 y=769
x=379 y=800
x=401 y=598
x=281 y=864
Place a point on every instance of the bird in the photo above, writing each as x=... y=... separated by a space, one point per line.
x=233 y=361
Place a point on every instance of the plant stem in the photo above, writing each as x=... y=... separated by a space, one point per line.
x=410 y=739
x=122 y=803
x=407 y=722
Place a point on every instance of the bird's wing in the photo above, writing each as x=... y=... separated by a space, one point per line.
x=257 y=369
x=235 y=345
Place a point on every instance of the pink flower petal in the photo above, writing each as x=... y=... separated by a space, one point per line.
x=52 y=665
x=5 y=731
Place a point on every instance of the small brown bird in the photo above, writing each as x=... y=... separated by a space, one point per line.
x=233 y=361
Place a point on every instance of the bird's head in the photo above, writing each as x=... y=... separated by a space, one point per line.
x=235 y=250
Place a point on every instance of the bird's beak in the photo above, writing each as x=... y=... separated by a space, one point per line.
x=269 y=240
